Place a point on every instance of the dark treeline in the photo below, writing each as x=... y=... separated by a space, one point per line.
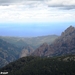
x=64 y=65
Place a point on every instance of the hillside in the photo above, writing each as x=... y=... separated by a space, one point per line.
x=64 y=65
x=63 y=45
x=34 y=42
x=8 y=53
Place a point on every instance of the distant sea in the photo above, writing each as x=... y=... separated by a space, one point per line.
x=33 y=29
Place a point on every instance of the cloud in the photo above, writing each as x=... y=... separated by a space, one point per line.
x=10 y=2
x=37 y=11
x=14 y=13
x=63 y=4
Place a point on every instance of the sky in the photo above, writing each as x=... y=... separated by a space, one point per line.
x=35 y=17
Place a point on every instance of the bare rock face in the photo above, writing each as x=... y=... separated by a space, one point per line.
x=65 y=44
x=26 y=51
x=41 y=50
x=68 y=32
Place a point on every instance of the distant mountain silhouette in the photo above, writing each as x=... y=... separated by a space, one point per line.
x=65 y=44
x=34 y=42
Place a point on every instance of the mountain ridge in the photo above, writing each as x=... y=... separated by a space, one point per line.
x=12 y=48
x=61 y=46
x=34 y=42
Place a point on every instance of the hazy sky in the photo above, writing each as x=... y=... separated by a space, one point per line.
x=36 y=17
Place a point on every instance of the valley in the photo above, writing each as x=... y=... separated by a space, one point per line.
x=13 y=48
x=42 y=55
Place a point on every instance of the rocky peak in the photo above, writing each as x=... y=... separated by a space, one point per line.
x=68 y=31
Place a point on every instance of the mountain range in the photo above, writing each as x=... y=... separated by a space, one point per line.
x=65 y=44
x=34 y=42
x=56 y=57
x=13 y=48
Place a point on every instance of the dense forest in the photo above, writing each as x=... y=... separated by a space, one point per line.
x=64 y=65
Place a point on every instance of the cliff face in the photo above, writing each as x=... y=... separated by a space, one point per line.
x=41 y=50
x=65 y=44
